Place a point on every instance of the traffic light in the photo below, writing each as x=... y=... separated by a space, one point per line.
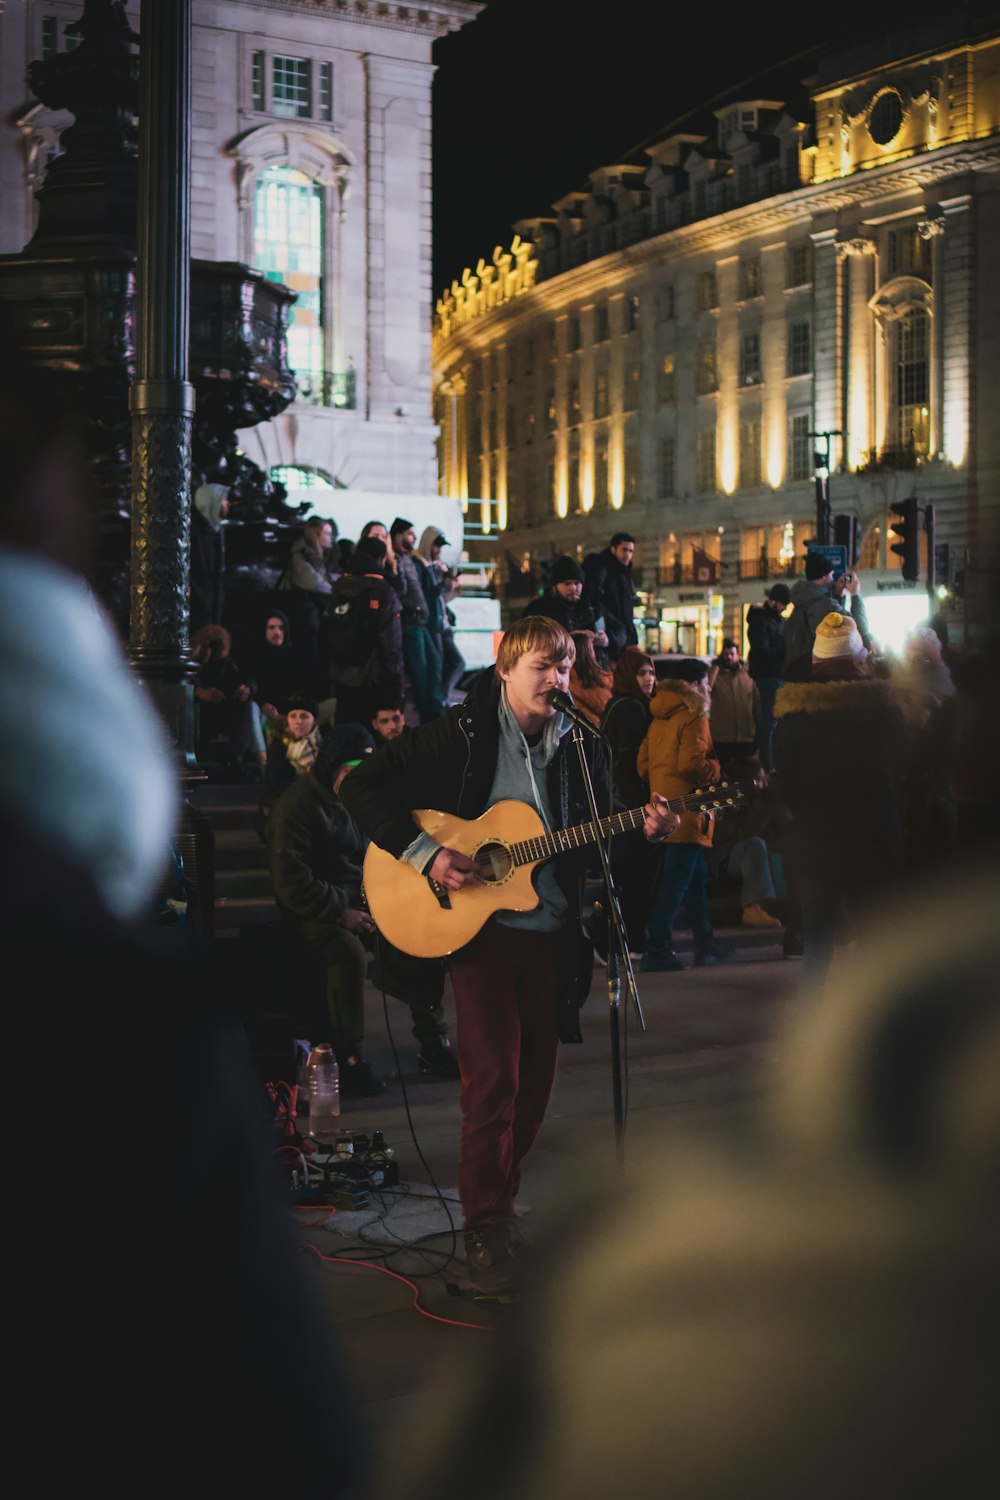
x=907 y=537
x=847 y=534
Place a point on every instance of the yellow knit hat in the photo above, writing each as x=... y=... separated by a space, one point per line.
x=837 y=635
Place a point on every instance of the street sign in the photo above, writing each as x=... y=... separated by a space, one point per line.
x=837 y=556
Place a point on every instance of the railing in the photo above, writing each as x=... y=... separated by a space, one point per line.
x=770 y=567
x=328 y=388
x=901 y=456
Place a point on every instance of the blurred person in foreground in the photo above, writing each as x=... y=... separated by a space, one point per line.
x=186 y=1286
x=814 y=1315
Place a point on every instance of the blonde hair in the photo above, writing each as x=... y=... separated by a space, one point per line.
x=535 y=633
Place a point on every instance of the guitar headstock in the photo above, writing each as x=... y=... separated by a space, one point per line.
x=715 y=798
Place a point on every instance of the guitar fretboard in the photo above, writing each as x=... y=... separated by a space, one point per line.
x=528 y=851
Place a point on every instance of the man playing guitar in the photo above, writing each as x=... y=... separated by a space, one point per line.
x=519 y=983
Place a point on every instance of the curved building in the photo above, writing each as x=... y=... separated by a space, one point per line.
x=796 y=284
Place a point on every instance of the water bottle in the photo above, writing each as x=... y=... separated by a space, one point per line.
x=324 y=1092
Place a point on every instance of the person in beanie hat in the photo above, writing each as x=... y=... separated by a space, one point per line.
x=814 y=597
x=839 y=757
x=291 y=752
x=562 y=601
x=766 y=660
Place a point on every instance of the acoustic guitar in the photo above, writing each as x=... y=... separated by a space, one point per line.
x=425 y=919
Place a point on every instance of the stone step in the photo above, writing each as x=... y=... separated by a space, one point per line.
x=232 y=913
x=237 y=884
x=239 y=849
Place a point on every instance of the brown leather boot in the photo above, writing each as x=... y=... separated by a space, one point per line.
x=489 y=1262
x=756 y=916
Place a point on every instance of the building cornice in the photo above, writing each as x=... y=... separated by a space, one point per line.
x=721 y=232
x=428 y=18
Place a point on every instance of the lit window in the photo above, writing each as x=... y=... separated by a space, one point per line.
x=706 y=380
x=300 y=479
x=749 y=454
x=801 y=445
x=909 y=253
x=288 y=247
x=912 y=382
x=666 y=384
x=750 y=359
x=292 y=87
x=799 y=348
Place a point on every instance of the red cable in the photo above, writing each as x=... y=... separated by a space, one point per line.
x=368 y=1265
x=313 y=1223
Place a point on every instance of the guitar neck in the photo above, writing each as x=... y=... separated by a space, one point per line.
x=529 y=851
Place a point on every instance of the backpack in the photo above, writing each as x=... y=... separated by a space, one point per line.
x=352 y=625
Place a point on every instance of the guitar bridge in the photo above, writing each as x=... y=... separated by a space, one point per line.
x=441 y=892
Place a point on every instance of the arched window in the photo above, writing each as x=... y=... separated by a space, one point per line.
x=288 y=247
x=301 y=479
x=911 y=359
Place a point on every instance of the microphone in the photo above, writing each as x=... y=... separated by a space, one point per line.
x=564 y=703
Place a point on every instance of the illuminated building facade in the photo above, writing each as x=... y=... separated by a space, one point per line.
x=311 y=160
x=659 y=355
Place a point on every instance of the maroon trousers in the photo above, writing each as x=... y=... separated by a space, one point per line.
x=506 y=985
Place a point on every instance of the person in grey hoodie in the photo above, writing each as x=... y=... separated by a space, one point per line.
x=814 y=597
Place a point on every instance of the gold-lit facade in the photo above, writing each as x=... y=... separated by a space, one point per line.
x=660 y=354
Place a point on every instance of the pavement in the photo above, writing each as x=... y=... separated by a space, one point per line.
x=700 y=1072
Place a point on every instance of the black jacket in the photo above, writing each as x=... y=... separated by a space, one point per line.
x=383 y=665
x=570 y=614
x=609 y=592
x=766 y=634
x=449 y=765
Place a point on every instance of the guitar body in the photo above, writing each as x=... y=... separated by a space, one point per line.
x=428 y=922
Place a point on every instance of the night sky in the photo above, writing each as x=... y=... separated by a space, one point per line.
x=523 y=110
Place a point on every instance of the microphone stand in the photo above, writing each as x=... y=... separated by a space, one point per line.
x=619 y=958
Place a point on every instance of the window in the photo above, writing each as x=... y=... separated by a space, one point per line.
x=601 y=327
x=291 y=86
x=300 y=479
x=706 y=460
x=705 y=375
x=258 y=97
x=324 y=110
x=798 y=264
x=799 y=348
x=601 y=471
x=600 y=393
x=707 y=292
x=631 y=314
x=667 y=476
x=632 y=472
x=288 y=247
x=909 y=254
x=750 y=282
x=630 y=395
x=801 y=447
x=574 y=401
x=912 y=388
x=665 y=305
x=666 y=381
x=528 y=357
x=572 y=333
x=573 y=480
x=749 y=454
x=50 y=37
x=750 y=359
x=510 y=426
x=551 y=410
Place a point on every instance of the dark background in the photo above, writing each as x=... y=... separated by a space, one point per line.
x=533 y=94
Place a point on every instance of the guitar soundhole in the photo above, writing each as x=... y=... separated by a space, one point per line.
x=493 y=863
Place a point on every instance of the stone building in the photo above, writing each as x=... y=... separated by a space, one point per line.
x=311 y=161
x=660 y=355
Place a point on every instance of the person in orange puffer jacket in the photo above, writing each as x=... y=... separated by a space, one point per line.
x=676 y=757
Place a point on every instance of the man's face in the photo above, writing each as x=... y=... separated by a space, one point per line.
x=529 y=682
x=405 y=541
x=389 y=723
x=570 y=590
x=730 y=656
x=274 y=631
x=624 y=552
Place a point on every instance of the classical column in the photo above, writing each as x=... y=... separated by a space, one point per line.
x=859 y=367
x=161 y=400
x=827 y=353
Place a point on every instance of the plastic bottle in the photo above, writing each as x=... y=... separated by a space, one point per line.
x=324 y=1092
